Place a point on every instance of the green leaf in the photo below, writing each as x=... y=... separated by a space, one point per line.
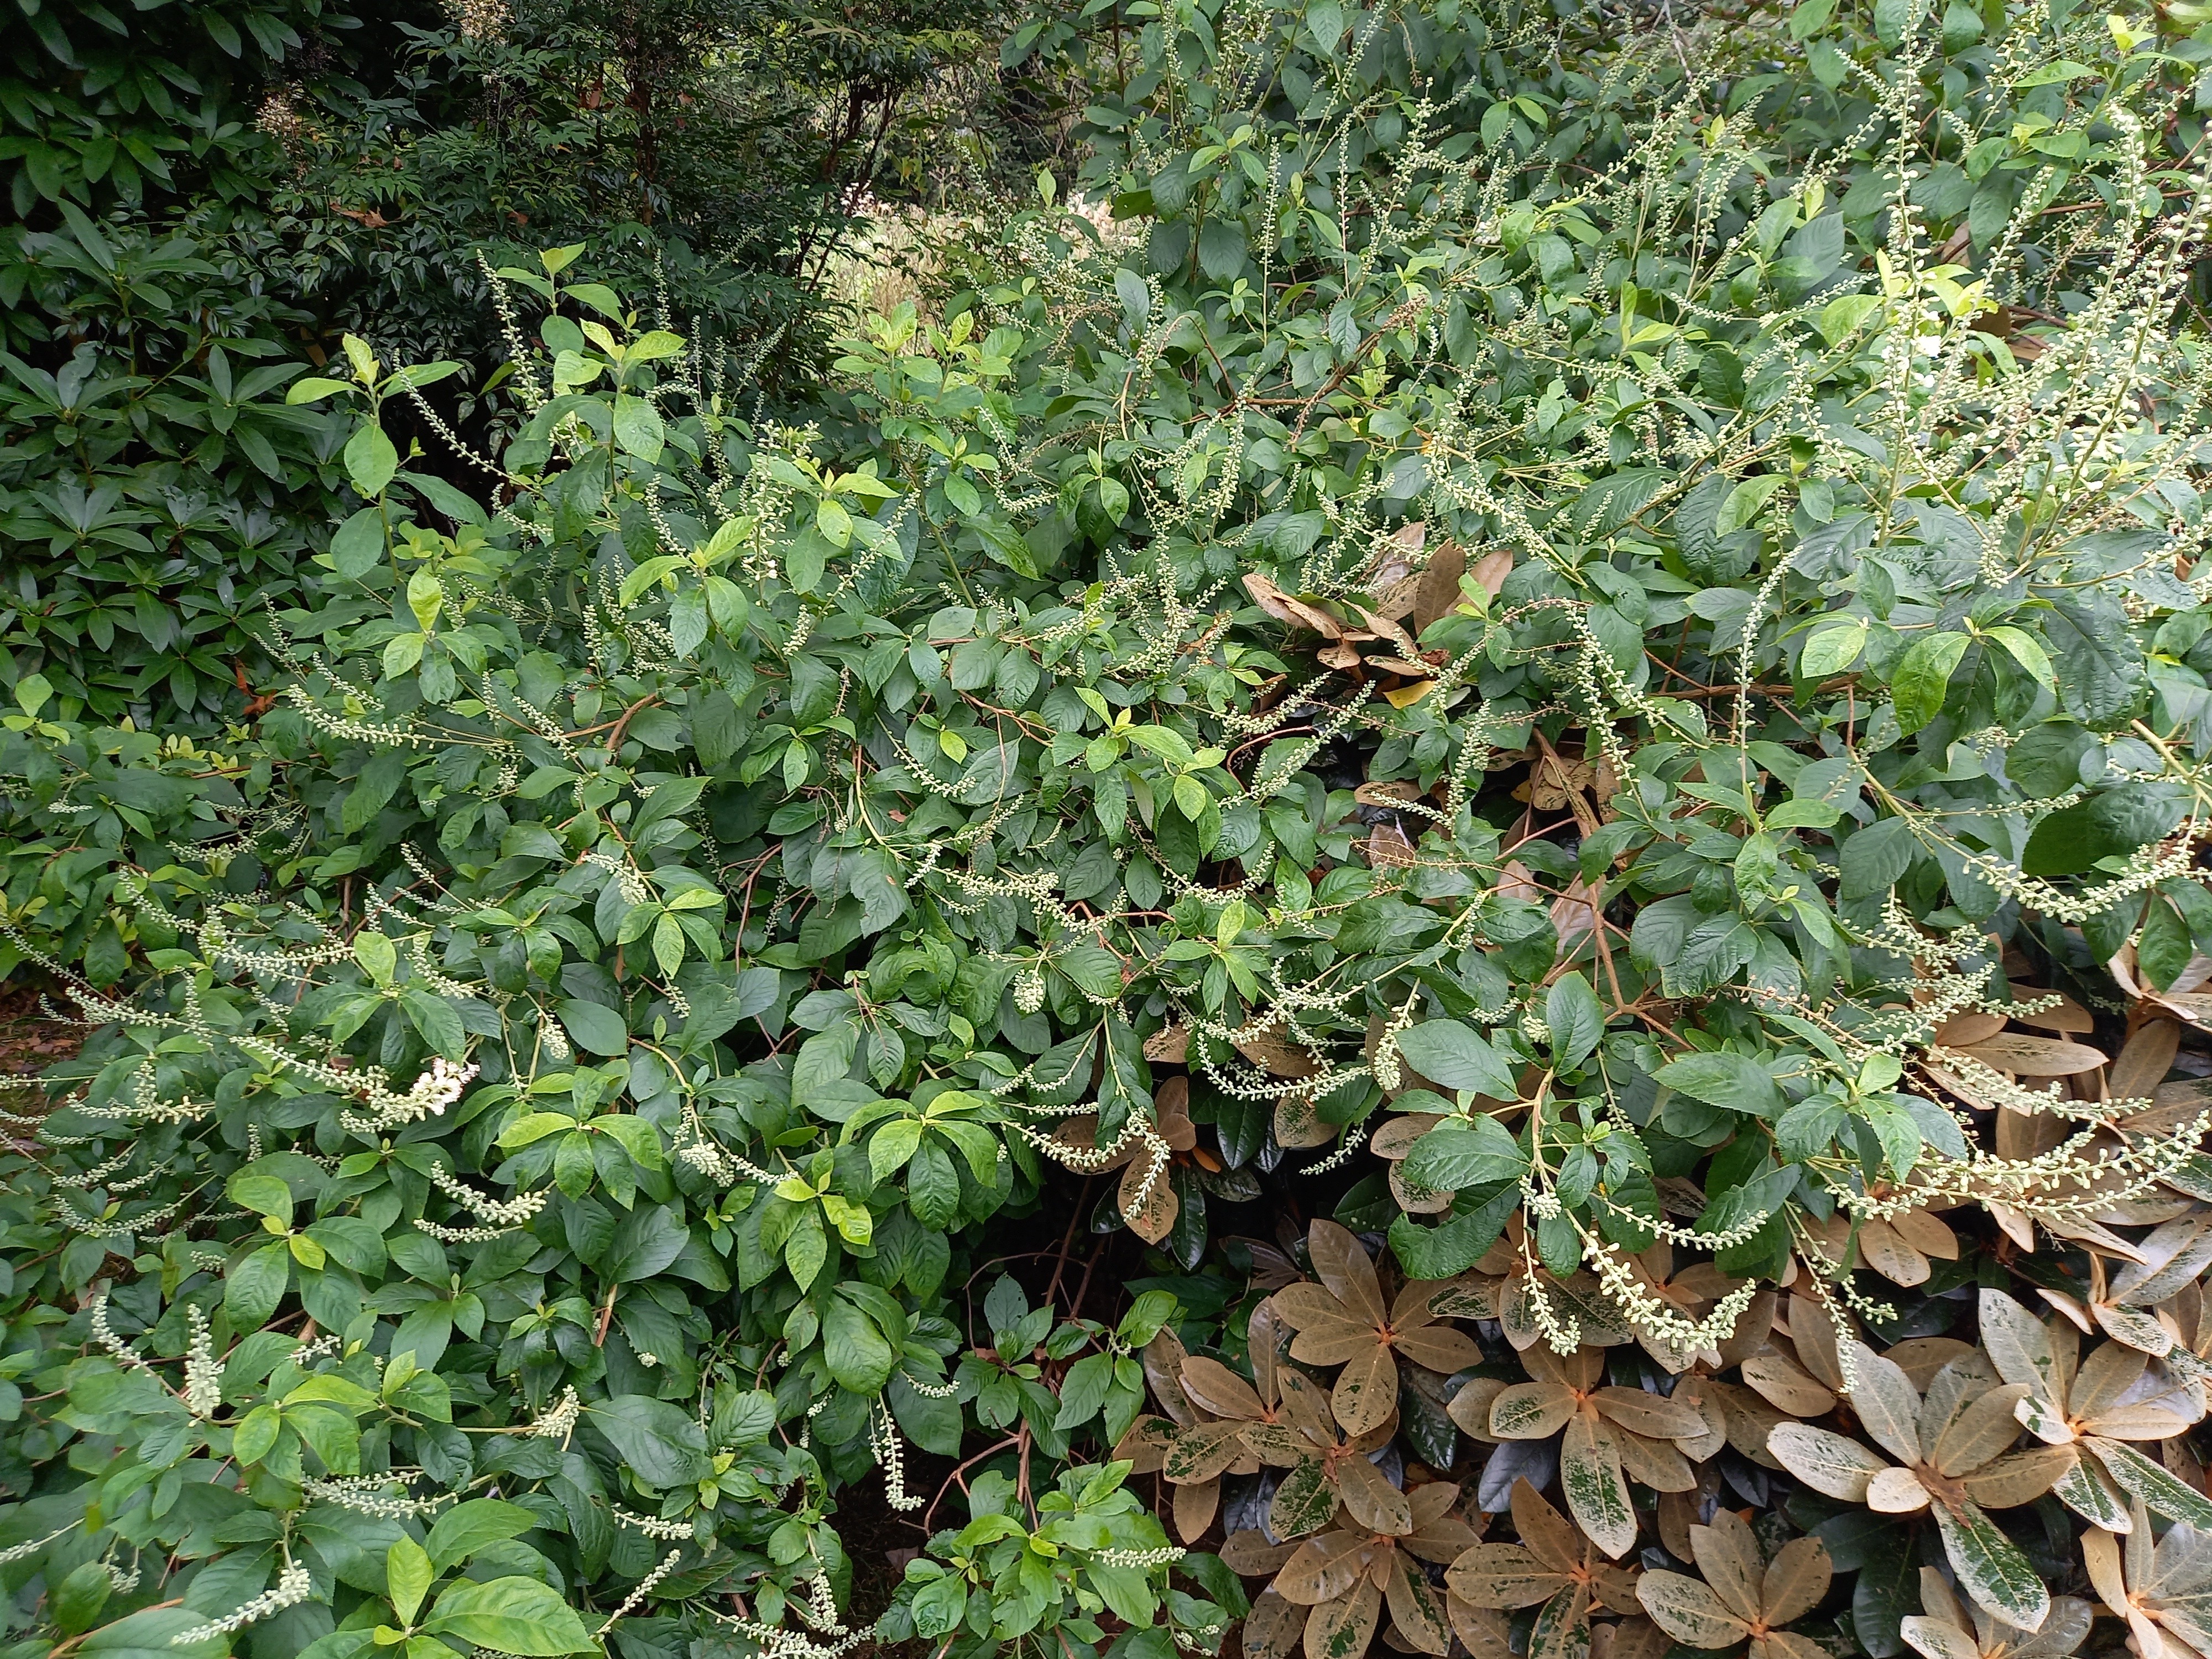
x=1736 y=1082
x=1577 y=1022
x=407 y=1577
x=1832 y=650
x=462 y=1530
x=594 y=1027
x=660 y=1443
x=370 y=458
x=1923 y=677
x=1452 y=1055
x=514 y=1615
x=2110 y=824
x=1454 y=1156
x=1992 y=1571
x=2027 y=651
x=255 y=1284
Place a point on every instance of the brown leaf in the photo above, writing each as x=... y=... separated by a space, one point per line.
x=1689 y=1612
x=1484 y=1634
x=1168 y=1046
x=1147 y=1197
x=1728 y=1555
x=1325 y=1567
x=1549 y=1535
x=2144 y=1059
x=1417 y=1608
x=1145 y=1446
x=1439 y=1347
x=1366 y=1392
x=2065 y=1015
x=1201 y=1453
x=2019 y=1478
x=2036 y=1057
x=1195 y=1508
x=1344 y=1628
x=1272 y=1628
x=1785 y=1383
x=1249 y=1555
x=1796 y=1580
x=1297 y=612
x=1438 y=594
x=1275 y=1054
x=1371 y=1500
x=1503 y=1576
x=1218 y=1390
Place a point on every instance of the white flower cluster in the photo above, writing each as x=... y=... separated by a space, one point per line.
x=293 y=1586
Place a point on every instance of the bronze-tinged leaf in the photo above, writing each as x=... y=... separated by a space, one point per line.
x=1275 y=1053
x=1653 y=1463
x=1366 y=1392
x=1467 y=1297
x=1692 y=1392
x=1615 y=1587
x=1653 y=1416
x=1417 y=1608
x=1329 y=1339
x=2144 y=1059
x=1249 y=1555
x=2174 y=1254
x=1896 y=1491
x=1785 y=1385
x=1504 y=1575
x=2063 y=1015
x=1298 y=1124
x=1164 y=1360
x=2030 y=1056
x=1926 y=1234
x=1470 y=1407
x=1750 y=1420
x=1689 y=1612
x=1305 y=1406
x=1530 y=1411
x=1273 y=1629
x=1340 y=1263
x=1196 y=1507
x=1797 y=1579
x=1325 y=1567
x=2019 y=1478
x=1596 y=1490
x=1145 y=1445
x=1921 y=1357
x=1215 y=1387
x=1881 y=1249
x=1168 y=1045
x=2019 y=1345
x=1963 y=1031
x=1549 y=1535
x=1371 y=1500
x=2101 y=1554
x=1343 y=1629
x=1304 y=1501
x=1629 y=1639
x=1825 y=1460
x=1980 y=1432
x=1438 y=595
x=1276 y=1444
x=1439 y=1347
x=1397 y=1135
x=1786 y=1645
x=1283 y=608
x=1561 y=1629
x=1203 y=1453
x=1484 y=1632
x=1147 y=1197
x=1813 y=1334
x=1887 y=1404
x=1727 y=1554
x=2137 y=1423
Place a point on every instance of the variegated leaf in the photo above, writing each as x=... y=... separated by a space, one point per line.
x=1689 y=1612
x=1503 y=1576
x=1796 y=1580
x=1825 y=1461
x=1562 y=1628
x=1596 y=1490
x=1344 y=1628
x=1417 y=1608
x=2158 y=1487
x=1995 y=1576
x=2087 y=1491
x=1273 y=1629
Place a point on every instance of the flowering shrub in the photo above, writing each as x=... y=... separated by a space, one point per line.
x=1615 y=711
